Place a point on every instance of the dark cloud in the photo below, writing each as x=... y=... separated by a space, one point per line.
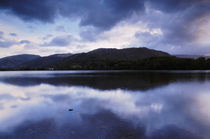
x=178 y=19
x=59 y=41
x=184 y=26
x=179 y=22
x=102 y=14
x=43 y=10
x=176 y=5
x=24 y=42
x=99 y=13
x=13 y=34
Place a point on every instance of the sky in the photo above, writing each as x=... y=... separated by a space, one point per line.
x=46 y=27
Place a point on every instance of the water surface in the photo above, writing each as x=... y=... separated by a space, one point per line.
x=105 y=104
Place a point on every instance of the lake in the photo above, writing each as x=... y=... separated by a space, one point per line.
x=105 y=104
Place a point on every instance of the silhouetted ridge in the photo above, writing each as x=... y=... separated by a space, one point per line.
x=103 y=58
x=47 y=61
x=125 y=54
x=16 y=60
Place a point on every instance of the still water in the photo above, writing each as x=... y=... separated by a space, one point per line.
x=105 y=105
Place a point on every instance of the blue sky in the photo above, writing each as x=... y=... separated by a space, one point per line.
x=47 y=27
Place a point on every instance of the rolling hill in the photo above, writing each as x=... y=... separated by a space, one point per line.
x=16 y=60
x=46 y=62
x=99 y=55
x=69 y=61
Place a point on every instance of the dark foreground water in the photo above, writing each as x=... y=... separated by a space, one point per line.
x=105 y=105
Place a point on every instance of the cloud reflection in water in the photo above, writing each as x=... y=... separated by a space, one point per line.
x=41 y=111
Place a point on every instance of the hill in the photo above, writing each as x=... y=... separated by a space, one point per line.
x=191 y=56
x=16 y=60
x=46 y=62
x=99 y=56
x=97 y=59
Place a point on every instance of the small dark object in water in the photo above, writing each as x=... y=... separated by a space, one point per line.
x=71 y=109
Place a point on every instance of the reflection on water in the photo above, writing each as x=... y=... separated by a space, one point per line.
x=128 y=104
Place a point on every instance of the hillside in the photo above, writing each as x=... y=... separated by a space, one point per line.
x=100 y=55
x=191 y=56
x=47 y=61
x=120 y=54
x=97 y=59
x=16 y=60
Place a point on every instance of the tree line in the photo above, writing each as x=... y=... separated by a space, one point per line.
x=153 y=63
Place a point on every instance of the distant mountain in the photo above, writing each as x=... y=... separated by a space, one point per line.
x=191 y=56
x=46 y=62
x=16 y=60
x=84 y=60
x=125 y=54
x=102 y=54
x=107 y=59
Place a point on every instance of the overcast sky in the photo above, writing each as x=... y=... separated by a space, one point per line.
x=47 y=27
